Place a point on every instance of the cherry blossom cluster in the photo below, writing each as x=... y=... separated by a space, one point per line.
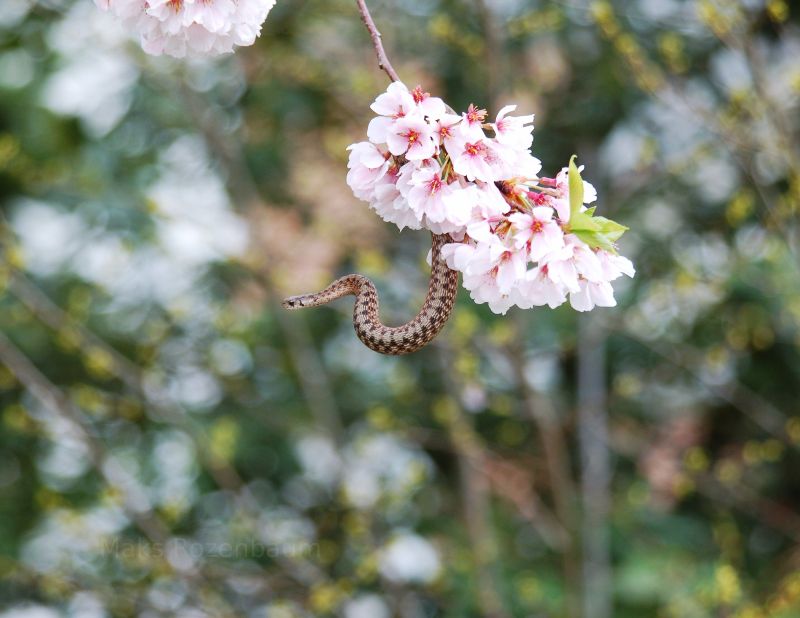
x=181 y=27
x=519 y=238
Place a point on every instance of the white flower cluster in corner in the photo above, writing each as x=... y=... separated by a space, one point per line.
x=181 y=27
x=521 y=239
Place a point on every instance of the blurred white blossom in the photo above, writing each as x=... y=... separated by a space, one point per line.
x=410 y=558
x=191 y=27
x=382 y=465
x=366 y=606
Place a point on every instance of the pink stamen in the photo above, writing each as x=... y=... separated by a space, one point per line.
x=475 y=115
x=412 y=136
x=540 y=199
x=476 y=149
x=419 y=94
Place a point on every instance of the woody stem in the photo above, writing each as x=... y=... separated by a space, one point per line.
x=383 y=60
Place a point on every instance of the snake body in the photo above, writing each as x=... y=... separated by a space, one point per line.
x=394 y=340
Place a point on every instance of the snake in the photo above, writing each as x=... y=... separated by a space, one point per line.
x=393 y=340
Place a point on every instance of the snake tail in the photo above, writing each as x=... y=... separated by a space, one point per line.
x=393 y=340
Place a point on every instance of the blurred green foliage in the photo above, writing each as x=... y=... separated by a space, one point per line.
x=171 y=443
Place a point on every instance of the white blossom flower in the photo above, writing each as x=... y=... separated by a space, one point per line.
x=472 y=125
x=393 y=104
x=445 y=131
x=592 y=294
x=542 y=288
x=459 y=204
x=367 y=165
x=409 y=558
x=195 y=27
x=538 y=231
x=614 y=266
x=431 y=107
x=390 y=205
x=513 y=131
x=427 y=193
x=427 y=167
x=411 y=136
x=474 y=160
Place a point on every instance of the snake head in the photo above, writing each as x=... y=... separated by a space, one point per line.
x=293 y=302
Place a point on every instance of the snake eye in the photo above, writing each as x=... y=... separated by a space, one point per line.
x=293 y=302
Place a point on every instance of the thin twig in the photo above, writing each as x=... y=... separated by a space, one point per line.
x=311 y=373
x=135 y=505
x=131 y=375
x=779 y=517
x=493 y=56
x=223 y=473
x=753 y=405
x=595 y=479
x=475 y=491
x=50 y=396
x=374 y=33
x=562 y=486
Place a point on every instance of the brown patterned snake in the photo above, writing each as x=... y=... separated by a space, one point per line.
x=396 y=340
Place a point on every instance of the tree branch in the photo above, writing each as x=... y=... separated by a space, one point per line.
x=383 y=60
x=56 y=401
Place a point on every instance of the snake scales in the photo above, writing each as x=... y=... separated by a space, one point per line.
x=395 y=340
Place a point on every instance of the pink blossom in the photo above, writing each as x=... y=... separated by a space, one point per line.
x=580 y=256
x=472 y=125
x=614 y=266
x=517 y=163
x=592 y=294
x=411 y=136
x=511 y=264
x=516 y=132
x=431 y=107
x=492 y=206
x=476 y=160
x=484 y=289
x=425 y=190
x=171 y=14
x=213 y=15
x=488 y=211
x=444 y=208
x=395 y=103
x=181 y=27
x=501 y=261
x=446 y=131
x=460 y=204
x=506 y=221
x=458 y=255
x=491 y=270
x=367 y=165
x=542 y=288
x=538 y=231
x=392 y=105
x=390 y=205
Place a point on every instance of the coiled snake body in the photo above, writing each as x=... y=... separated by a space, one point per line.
x=395 y=340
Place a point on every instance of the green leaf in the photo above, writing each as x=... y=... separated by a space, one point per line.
x=575 y=188
x=583 y=221
x=611 y=229
x=597 y=232
x=596 y=240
